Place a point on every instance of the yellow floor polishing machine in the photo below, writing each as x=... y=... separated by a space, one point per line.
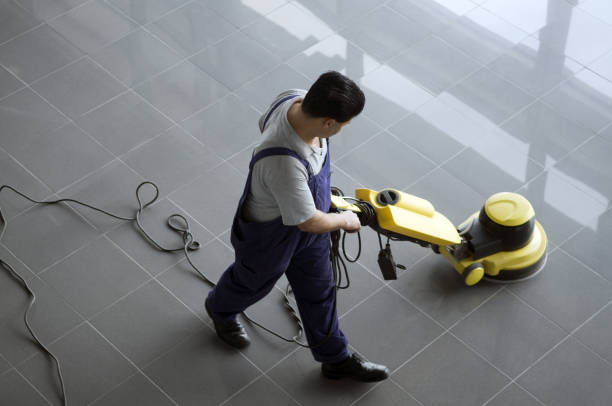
x=502 y=242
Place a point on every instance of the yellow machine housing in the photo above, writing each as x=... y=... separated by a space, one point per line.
x=410 y=216
x=502 y=242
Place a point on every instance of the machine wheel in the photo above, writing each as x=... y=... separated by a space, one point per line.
x=473 y=274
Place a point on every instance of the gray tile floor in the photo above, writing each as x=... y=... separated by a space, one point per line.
x=465 y=99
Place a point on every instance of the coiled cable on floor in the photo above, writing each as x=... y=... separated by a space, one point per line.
x=179 y=224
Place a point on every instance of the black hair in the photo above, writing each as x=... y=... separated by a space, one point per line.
x=335 y=96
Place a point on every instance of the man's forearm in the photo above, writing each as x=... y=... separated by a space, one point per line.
x=323 y=223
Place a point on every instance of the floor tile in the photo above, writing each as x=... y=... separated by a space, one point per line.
x=146 y=323
x=181 y=91
x=185 y=282
x=300 y=375
x=492 y=167
x=4 y=365
x=361 y=283
x=213 y=210
x=402 y=165
x=261 y=392
x=570 y=34
x=334 y=53
x=112 y=188
x=242 y=13
x=337 y=13
x=46 y=10
x=136 y=57
x=434 y=65
x=191 y=28
x=11 y=287
x=16 y=390
x=565 y=291
x=95 y=276
x=529 y=15
x=39 y=227
x=197 y=371
x=549 y=135
x=603 y=66
x=456 y=200
x=390 y=96
x=514 y=395
x=590 y=245
x=436 y=288
x=172 y=160
x=138 y=391
x=261 y=91
x=437 y=131
x=145 y=12
x=37 y=53
x=440 y=365
x=599 y=8
x=433 y=15
x=51 y=317
x=15 y=20
x=288 y=30
x=154 y=222
x=227 y=127
x=534 y=66
x=595 y=332
x=487 y=98
x=90 y=365
x=360 y=130
x=384 y=33
x=387 y=391
x=8 y=83
x=482 y=35
x=588 y=166
x=235 y=60
x=18 y=177
x=241 y=160
x=25 y=115
x=412 y=329
x=124 y=122
x=342 y=180
x=92 y=26
x=586 y=98
x=561 y=208
x=512 y=342
x=63 y=156
x=569 y=375
x=78 y=88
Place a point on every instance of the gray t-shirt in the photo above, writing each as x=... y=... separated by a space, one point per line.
x=279 y=183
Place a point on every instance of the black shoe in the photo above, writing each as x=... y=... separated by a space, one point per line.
x=231 y=332
x=357 y=368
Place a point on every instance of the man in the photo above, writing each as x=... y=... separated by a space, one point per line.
x=282 y=224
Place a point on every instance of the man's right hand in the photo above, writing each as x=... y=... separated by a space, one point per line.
x=351 y=222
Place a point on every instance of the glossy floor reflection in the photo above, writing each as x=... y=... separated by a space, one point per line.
x=465 y=98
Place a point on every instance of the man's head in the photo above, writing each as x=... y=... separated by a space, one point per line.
x=334 y=99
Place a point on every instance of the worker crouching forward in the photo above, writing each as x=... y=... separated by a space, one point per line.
x=282 y=224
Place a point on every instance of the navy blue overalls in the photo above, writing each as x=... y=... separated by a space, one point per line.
x=264 y=251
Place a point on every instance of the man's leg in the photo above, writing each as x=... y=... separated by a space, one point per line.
x=312 y=282
x=311 y=278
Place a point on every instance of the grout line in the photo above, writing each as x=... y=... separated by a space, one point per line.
x=32 y=385
x=132 y=363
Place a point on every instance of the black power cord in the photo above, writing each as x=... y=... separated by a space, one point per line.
x=179 y=223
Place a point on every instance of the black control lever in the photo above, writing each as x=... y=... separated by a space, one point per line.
x=387 y=264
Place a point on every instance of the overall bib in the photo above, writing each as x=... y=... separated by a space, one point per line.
x=264 y=251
